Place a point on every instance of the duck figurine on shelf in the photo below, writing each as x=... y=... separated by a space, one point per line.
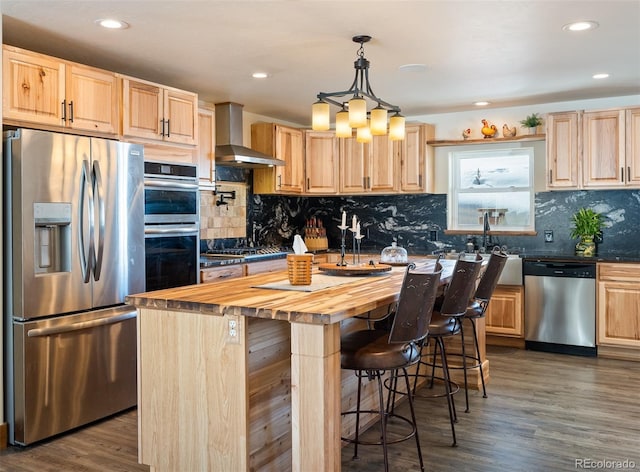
x=488 y=131
x=466 y=133
x=508 y=132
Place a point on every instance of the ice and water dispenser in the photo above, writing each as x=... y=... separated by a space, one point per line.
x=52 y=252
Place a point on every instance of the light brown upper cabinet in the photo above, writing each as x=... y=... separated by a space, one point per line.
x=417 y=160
x=603 y=149
x=321 y=162
x=206 y=148
x=593 y=149
x=155 y=112
x=367 y=168
x=281 y=142
x=563 y=152
x=57 y=94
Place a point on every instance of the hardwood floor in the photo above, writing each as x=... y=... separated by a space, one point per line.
x=544 y=413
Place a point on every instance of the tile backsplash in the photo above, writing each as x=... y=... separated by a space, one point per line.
x=228 y=220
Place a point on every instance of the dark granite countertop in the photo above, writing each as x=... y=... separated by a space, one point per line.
x=602 y=256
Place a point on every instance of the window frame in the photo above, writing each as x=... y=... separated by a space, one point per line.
x=454 y=190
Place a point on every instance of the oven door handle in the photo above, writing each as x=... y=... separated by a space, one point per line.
x=169 y=184
x=191 y=229
x=32 y=333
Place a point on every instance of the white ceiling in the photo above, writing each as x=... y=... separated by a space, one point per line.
x=511 y=53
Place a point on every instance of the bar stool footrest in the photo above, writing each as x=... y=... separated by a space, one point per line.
x=387 y=417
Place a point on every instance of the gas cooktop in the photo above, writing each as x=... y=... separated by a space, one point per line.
x=248 y=253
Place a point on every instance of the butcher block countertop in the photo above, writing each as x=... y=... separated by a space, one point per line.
x=327 y=306
x=234 y=377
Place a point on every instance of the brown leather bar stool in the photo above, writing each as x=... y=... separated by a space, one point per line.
x=374 y=352
x=478 y=307
x=447 y=322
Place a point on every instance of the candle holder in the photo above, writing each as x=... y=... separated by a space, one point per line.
x=343 y=231
x=358 y=240
x=353 y=244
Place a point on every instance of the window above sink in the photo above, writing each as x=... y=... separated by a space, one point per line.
x=491 y=191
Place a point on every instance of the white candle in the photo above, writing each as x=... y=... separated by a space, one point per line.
x=344 y=219
x=353 y=223
x=358 y=230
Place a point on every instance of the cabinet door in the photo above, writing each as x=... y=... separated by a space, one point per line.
x=632 y=153
x=181 y=117
x=353 y=165
x=618 y=314
x=603 y=149
x=142 y=109
x=33 y=87
x=505 y=314
x=562 y=150
x=382 y=169
x=206 y=148
x=412 y=160
x=92 y=99
x=290 y=148
x=321 y=162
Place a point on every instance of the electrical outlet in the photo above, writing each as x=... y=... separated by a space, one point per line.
x=433 y=235
x=233 y=331
x=548 y=236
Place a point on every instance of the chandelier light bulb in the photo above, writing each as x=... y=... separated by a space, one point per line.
x=343 y=130
x=357 y=112
x=363 y=134
x=378 y=121
x=320 y=117
x=396 y=127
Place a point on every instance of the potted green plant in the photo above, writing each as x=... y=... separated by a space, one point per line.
x=532 y=122
x=587 y=225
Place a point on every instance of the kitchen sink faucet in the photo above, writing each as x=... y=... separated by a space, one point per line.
x=485 y=230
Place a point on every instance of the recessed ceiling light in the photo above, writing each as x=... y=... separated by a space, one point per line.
x=112 y=24
x=413 y=67
x=600 y=76
x=259 y=75
x=481 y=104
x=581 y=25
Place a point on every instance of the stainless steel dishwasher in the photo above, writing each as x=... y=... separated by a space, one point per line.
x=560 y=306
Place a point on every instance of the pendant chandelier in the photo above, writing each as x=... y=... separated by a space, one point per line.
x=353 y=114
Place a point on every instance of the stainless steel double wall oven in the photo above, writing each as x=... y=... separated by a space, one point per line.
x=171 y=224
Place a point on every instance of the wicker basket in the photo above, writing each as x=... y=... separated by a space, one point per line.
x=299 y=268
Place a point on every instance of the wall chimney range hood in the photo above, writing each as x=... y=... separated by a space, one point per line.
x=229 y=148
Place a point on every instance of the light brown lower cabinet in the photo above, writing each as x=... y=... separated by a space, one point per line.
x=618 y=313
x=505 y=313
x=215 y=274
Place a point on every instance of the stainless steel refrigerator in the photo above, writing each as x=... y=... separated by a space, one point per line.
x=74 y=247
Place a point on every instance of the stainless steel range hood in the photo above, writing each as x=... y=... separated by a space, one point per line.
x=229 y=148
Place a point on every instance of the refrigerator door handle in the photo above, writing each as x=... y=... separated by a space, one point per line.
x=98 y=191
x=85 y=188
x=37 y=332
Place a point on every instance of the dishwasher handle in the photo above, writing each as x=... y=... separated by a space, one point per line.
x=579 y=270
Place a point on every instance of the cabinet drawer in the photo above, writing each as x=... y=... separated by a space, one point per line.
x=619 y=271
x=220 y=273
x=266 y=266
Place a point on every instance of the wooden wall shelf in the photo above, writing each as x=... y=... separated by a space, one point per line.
x=465 y=142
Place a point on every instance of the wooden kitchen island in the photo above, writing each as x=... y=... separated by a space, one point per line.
x=233 y=378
